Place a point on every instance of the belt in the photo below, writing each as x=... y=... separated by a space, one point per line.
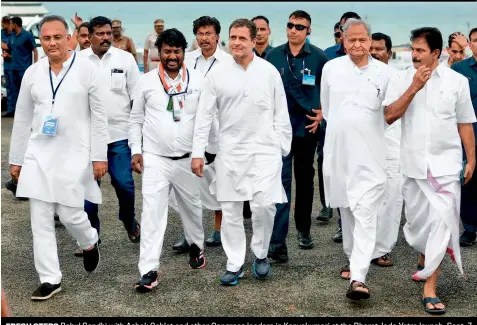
x=187 y=155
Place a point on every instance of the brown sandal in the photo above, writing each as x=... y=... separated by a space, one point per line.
x=135 y=237
x=383 y=261
x=345 y=269
x=354 y=294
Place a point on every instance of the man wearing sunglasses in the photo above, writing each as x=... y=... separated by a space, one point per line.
x=337 y=33
x=300 y=65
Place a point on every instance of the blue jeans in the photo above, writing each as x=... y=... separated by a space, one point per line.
x=8 y=86
x=15 y=83
x=119 y=168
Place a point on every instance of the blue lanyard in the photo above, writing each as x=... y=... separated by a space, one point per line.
x=53 y=90
x=303 y=71
x=197 y=59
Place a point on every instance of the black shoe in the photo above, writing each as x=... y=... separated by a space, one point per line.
x=147 y=283
x=181 y=246
x=91 y=258
x=338 y=237
x=247 y=213
x=214 y=239
x=79 y=251
x=8 y=114
x=135 y=237
x=467 y=239
x=325 y=214
x=46 y=291
x=278 y=252
x=196 y=255
x=11 y=185
x=305 y=241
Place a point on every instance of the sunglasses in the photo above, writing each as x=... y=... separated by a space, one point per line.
x=337 y=34
x=297 y=26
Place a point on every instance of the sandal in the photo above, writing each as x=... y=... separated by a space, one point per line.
x=383 y=261
x=433 y=302
x=345 y=269
x=135 y=237
x=354 y=294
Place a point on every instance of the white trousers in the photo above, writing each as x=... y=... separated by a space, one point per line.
x=233 y=231
x=389 y=218
x=45 y=250
x=359 y=232
x=158 y=176
x=432 y=219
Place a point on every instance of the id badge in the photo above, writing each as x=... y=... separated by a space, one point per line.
x=308 y=80
x=117 y=79
x=50 y=125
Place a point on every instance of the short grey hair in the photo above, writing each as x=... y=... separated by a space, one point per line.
x=50 y=18
x=354 y=21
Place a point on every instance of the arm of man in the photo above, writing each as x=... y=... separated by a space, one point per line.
x=132 y=49
x=465 y=117
x=136 y=120
x=99 y=127
x=325 y=92
x=281 y=118
x=22 y=124
x=395 y=109
x=203 y=122
x=33 y=47
x=132 y=76
x=213 y=136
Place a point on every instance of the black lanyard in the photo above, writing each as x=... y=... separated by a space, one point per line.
x=53 y=90
x=197 y=59
x=293 y=73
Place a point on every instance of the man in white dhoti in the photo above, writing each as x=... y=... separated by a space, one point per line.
x=389 y=218
x=254 y=133
x=161 y=128
x=56 y=164
x=206 y=58
x=436 y=113
x=352 y=89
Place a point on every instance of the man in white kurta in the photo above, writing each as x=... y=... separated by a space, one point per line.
x=254 y=134
x=205 y=59
x=354 y=173
x=389 y=218
x=161 y=131
x=57 y=142
x=436 y=113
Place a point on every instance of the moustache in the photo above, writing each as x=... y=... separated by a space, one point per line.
x=106 y=42
x=168 y=61
x=416 y=60
x=374 y=56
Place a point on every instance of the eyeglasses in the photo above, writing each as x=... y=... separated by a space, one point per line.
x=208 y=34
x=337 y=34
x=297 y=26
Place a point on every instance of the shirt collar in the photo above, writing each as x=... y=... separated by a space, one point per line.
x=90 y=51
x=268 y=48
x=178 y=77
x=440 y=70
x=472 y=61
x=217 y=54
x=305 y=48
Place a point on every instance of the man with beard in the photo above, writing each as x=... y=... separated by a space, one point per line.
x=300 y=65
x=389 y=218
x=352 y=90
x=254 y=134
x=118 y=74
x=436 y=112
x=151 y=56
x=468 y=207
x=121 y=41
x=161 y=128
x=58 y=149
x=82 y=34
x=262 y=47
x=205 y=59
x=457 y=48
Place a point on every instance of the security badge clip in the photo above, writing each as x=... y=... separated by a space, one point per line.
x=308 y=78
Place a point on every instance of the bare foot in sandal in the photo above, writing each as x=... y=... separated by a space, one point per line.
x=357 y=291
x=345 y=273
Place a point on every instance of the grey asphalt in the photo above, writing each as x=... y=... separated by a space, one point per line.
x=308 y=285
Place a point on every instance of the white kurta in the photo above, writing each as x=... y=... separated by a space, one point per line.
x=354 y=151
x=431 y=158
x=254 y=130
x=59 y=169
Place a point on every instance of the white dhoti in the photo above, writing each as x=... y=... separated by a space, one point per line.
x=432 y=219
x=359 y=231
x=389 y=218
x=158 y=176
x=233 y=232
x=45 y=249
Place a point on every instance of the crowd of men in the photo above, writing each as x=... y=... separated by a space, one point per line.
x=209 y=129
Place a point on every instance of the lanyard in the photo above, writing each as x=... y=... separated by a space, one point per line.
x=291 y=69
x=195 y=66
x=53 y=90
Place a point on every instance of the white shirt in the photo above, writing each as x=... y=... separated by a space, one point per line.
x=153 y=54
x=58 y=169
x=150 y=123
x=354 y=151
x=393 y=131
x=430 y=138
x=117 y=101
x=254 y=130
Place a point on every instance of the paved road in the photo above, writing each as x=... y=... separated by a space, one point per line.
x=309 y=285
